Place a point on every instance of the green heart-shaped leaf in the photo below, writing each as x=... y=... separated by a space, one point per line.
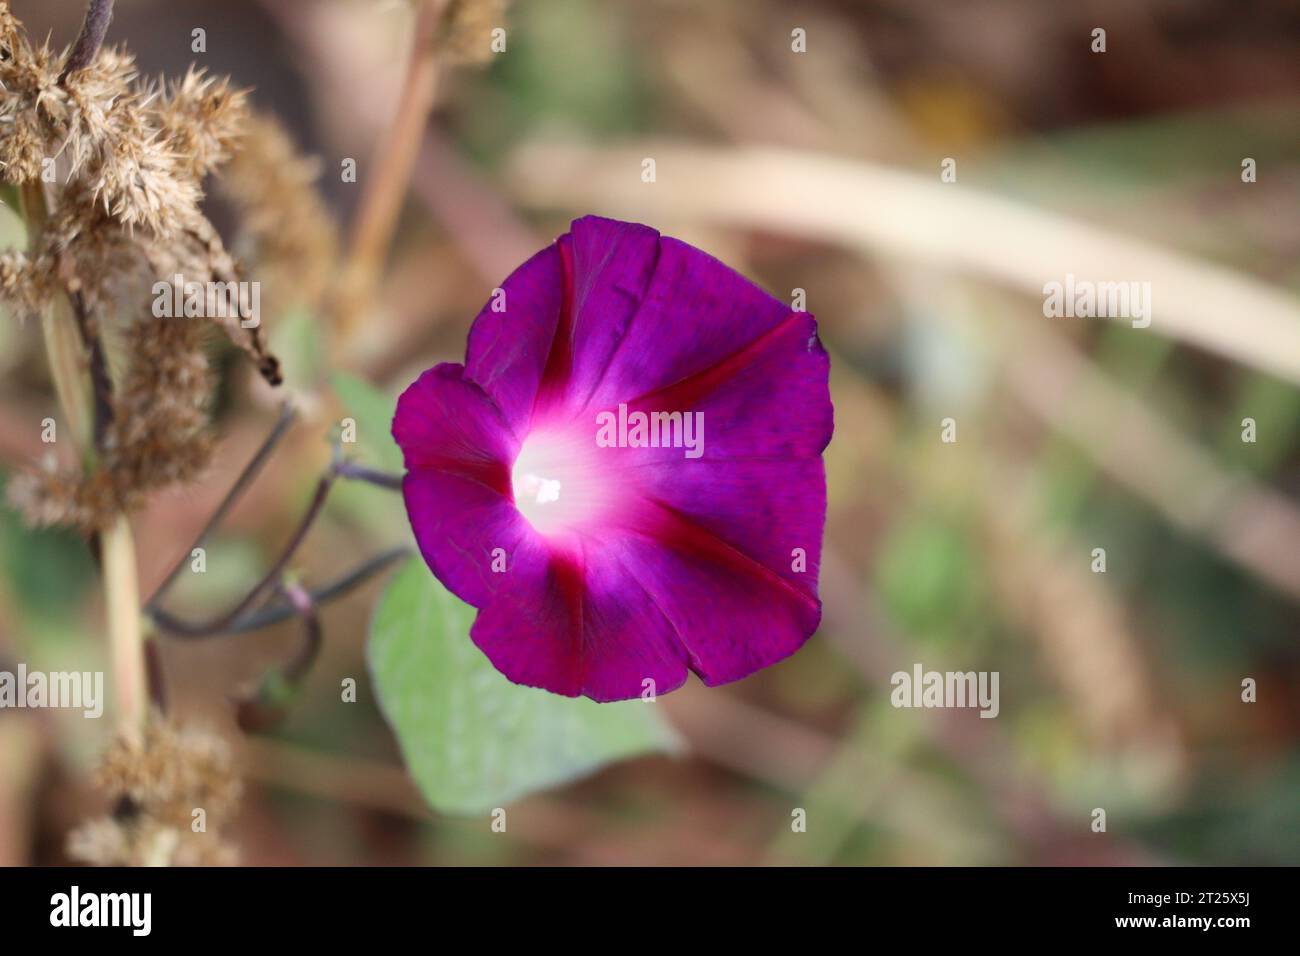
x=473 y=740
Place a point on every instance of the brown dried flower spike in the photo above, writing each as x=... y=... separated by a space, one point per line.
x=171 y=789
x=122 y=215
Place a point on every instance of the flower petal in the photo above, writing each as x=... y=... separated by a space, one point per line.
x=508 y=349
x=772 y=511
x=446 y=422
x=732 y=615
x=457 y=489
x=769 y=400
x=600 y=618
x=573 y=619
x=689 y=314
x=459 y=525
x=610 y=313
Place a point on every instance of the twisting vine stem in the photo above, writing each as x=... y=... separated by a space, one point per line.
x=340 y=586
x=246 y=615
x=242 y=483
x=93 y=30
x=269 y=701
x=383 y=479
x=222 y=622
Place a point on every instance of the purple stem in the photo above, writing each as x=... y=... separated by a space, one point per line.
x=93 y=30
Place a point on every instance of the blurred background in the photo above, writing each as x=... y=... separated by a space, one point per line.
x=817 y=171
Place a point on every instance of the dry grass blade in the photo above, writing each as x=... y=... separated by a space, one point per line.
x=904 y=215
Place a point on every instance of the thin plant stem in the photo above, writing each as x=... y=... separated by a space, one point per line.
x=387 y=181
x=101 y=383
x=305 y=607
x=154 y=673
x=126 y=641
x=239 y=619
x=242 y=483
x=265 y=616
x=275 y=613
x=335 y=589
x=65 y=346
x=267 y=704
x=382 y=479
x=223 y=621
x=93 y=30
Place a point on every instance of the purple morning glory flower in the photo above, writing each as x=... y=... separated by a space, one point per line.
x=625 y=476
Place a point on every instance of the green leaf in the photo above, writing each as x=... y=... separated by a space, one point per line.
x=472 y=740
x=373 y=413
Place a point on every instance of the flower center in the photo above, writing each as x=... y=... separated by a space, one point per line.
x=546 y=489
x=558 y=481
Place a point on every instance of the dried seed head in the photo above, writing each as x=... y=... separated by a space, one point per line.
x=50 y=497
x=203 y=118
x=286 y=231
x=118 y=146
x=33 y=113
x=157 y=780
x=111 y=842
x=167 y=771
x=25 y=285
x=124 y=217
